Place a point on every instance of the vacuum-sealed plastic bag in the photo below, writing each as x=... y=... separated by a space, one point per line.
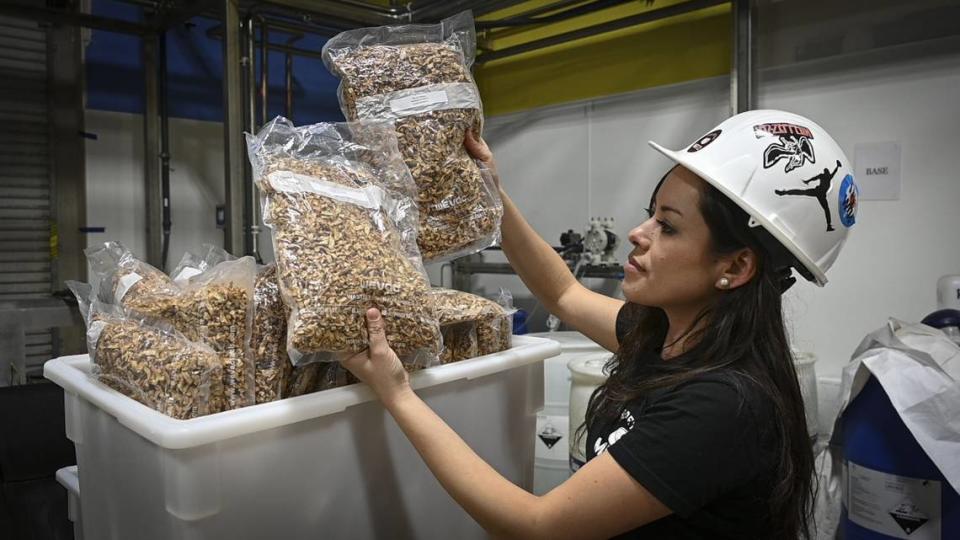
x=459 y=342
x=148 y=360
x=192 y=264
x=216 y=308
x=419 y=76
x=269 y=337
x=339 y=200
x=118 y=277
x=156 y=366
x=471 y=325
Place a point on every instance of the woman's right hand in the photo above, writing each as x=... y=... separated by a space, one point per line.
x=479 y=150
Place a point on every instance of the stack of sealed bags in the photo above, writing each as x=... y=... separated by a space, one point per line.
x=471 y=325
x=182 y=349
x=354 y=210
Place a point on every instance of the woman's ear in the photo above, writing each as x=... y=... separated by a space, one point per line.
x=737 y=269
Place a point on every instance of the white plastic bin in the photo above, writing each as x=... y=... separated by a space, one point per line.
x=325 y=465
x=68 y=478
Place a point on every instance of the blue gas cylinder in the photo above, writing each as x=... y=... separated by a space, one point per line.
x=891 y=488
x=520 y=322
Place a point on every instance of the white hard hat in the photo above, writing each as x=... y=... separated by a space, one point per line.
x=788 y=174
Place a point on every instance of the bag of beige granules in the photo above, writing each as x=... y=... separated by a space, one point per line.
x=273 y=372
x=339 y=201
x=269 y=338
x=214 y=307
x=148 y=360
x=192 y=264
x=471 y=325
x=419 y=77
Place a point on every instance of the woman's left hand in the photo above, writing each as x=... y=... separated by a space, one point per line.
x=379 y=366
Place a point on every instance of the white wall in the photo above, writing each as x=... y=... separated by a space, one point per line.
x=563 y=164
x=115 y=187
x=898 y=249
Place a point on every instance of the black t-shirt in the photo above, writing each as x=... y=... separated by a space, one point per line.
x=704 y=448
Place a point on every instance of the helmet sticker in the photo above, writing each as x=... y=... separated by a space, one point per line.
x=848 y=201
x=823 y=180
x=702 y=142
x=793 y=144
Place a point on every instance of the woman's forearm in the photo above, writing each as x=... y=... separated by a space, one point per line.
x=499 y=506
x=542 y=270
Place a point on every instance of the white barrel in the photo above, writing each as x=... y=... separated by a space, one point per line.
x=586 y=374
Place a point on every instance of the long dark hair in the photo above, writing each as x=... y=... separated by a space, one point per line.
x=741 y=331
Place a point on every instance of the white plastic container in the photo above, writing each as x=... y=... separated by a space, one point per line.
x=68 y=478
x=326 y=465
x=552 y=465
x=586 y=375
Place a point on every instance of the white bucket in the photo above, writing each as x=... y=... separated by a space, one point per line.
x=586 y=374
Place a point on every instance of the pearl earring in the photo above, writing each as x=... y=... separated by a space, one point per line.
x=723 y=283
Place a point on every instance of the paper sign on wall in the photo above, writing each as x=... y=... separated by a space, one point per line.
x=878 y=171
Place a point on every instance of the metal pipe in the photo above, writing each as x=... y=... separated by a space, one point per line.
x=552 y=6
x=397 y=11
x=152 y=4
x=305 y=17
x=524 y=20
x=163 y=109
x=249 y=63
x=278 y=47
x=264 y=71
x=77 y=19
x=252 y=206
x=742 y=73
x=609 y=26
x=288 y=80
x=324 y=10
x=440 y=10
x=232 y=129
x=151 y=157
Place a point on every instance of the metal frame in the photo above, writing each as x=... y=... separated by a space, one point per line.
x=233 y=149
x=742 y=74
x=151 y=151
x=602 y=28
x=324 y=17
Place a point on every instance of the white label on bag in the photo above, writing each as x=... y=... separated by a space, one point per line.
x=186 y=274
x=897 y=506
x=125 y=283
x=416 y=102
x=289 y=182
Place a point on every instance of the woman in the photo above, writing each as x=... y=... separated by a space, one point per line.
x=699 y=431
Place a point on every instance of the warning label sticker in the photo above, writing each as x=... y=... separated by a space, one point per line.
x=897 y=506
x=552 y=437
